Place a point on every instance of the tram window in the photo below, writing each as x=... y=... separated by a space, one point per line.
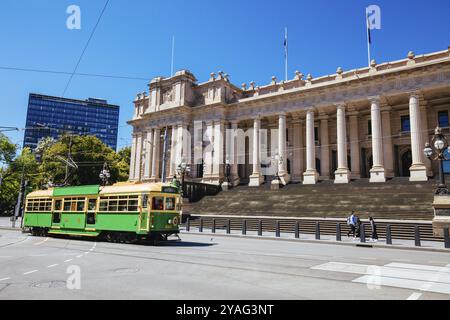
x=133 y=205
x=170 y=203
x=92 y=204
x=103 y=205
x=58 y=205
x=123 y=204
x=80 y=205
x=144 y=201
x=112 y=206
x=158 y=203
x=67 y=205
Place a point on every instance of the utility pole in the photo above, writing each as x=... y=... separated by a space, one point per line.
x=19 y=198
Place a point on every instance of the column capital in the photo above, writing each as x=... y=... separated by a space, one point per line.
x=374 y=99
x=340 y=105
x=310 y=110
x=282 y=115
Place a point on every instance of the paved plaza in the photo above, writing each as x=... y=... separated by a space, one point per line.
x=215 y=267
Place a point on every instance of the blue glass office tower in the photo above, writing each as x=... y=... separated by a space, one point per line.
x=49 y=116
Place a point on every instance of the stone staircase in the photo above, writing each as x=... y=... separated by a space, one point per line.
x=396 y=199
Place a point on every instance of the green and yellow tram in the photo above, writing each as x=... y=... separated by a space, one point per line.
x=124 y=212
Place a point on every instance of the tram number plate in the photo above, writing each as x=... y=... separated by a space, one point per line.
x=169 y=190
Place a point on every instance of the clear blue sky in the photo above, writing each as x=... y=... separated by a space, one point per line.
x=242 y=38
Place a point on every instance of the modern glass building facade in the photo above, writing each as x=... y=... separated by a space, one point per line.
x=49 y=116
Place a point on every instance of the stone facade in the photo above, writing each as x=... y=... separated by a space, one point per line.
x=370 y=123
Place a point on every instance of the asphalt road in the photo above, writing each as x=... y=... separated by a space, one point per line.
x=204 y=268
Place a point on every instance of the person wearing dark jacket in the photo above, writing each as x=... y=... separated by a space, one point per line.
x=374 y=229
x=358 y=227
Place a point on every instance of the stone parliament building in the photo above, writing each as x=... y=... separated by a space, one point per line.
x=369 y=123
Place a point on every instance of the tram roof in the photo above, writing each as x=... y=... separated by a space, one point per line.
x=118 y=188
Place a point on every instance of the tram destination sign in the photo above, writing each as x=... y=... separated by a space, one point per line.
x=169 y=190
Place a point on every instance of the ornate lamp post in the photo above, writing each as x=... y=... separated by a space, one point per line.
x=104 y=174
x=183 y=169
x=440 y=145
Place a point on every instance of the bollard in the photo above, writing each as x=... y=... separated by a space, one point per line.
x=317 y=230
x=446 y=239
x=362 y=233
x=297 y=230
x=277 y=230
x=417 y=236
x=229 y=226
x=200 y=229
x=338 y=232
x=213 y=229
x=260 y=228
x=388 y=234
x=244 y=227
x=188 y=225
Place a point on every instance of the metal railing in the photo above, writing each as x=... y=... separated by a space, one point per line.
x=415 y=232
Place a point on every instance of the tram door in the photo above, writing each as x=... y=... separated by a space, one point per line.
x=90 y=215
x=145 y=214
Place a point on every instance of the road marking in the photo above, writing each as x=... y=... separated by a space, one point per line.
x=3 y=279
x=30 y=272
x=41 y=242
x=52 y=265
x=68 y=260
x=414 y=296
x=87 y=252
x=79 y=256
x=409 y=276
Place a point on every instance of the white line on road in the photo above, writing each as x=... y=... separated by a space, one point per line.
x=414 y=296
x=68 y=260
x=3 y=279
x=79 y=256
x=30 y=272
x=41 y=242
x=52 y=265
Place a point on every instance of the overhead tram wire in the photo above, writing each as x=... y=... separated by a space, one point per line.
x=85 y=47
x=75 y=74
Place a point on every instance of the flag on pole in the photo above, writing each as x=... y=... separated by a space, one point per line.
x=369 y=27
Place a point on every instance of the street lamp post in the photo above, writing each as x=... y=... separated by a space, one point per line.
x=182 y=170
x=104 y=174
x=440 y=144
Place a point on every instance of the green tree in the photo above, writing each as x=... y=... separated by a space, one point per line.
x=124 y=163
x=24 y=166
x=7 y=150
x=89 y=153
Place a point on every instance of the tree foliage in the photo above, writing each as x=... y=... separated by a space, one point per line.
x=88 y=152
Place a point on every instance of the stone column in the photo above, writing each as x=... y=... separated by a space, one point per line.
x=219 y=132
x=133 y=157
x=377 y=173
x=342 y=174
x=155 y=159
x=297 y=159
x=310 y=176
x=137 y=168
x=282 y=165
x=148 y=155
x=418 y=169
x=425 y=133
x=388 y=147
x=355 y=152
x=234 y=154
x=324 y=147
x=208 y=156
x=173 y=153
x=256 y=179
